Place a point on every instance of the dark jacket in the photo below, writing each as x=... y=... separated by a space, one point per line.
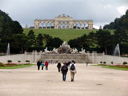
x=38 y=63
x=59 y=65
x=64 y=69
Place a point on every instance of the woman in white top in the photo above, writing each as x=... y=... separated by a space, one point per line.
x=72 y=70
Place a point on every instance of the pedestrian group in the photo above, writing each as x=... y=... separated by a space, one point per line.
x=71 y=66
x=40 y=63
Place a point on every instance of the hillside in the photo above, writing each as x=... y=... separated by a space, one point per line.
x=64 y=34
x=119 y=22
x=8 y=29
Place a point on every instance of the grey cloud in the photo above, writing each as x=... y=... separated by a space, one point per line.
x=25 y=11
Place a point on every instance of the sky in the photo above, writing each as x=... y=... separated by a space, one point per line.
x=100 y=11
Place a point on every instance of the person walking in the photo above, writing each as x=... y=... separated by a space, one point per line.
x=46 y=65
x=38 y=64
x=59 y=66
x=87 y=63
x=42 y=64
x=64 y=70
x=72 y=70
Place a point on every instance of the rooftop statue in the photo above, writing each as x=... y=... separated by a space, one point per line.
x=63 y=16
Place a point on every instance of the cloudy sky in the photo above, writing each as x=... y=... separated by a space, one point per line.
x=100 y=11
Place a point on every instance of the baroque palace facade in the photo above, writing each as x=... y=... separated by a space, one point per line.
x=63 y=22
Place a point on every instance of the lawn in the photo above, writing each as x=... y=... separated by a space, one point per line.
x=17 y=66
x=113 y=67
x=64 y=34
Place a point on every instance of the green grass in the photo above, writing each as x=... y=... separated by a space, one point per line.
x=117 y=68
x=17 y=66
x=64 y=34
x=112 y=67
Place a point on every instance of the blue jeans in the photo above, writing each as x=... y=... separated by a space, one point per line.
x=64 y=77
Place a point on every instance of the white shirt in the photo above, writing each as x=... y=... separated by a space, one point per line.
x=70 y=67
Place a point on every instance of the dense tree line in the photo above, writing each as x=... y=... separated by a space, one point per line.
x=119 y=22
x=102 y=41
x=8 y=28
x=12 y=32
x=41 y=41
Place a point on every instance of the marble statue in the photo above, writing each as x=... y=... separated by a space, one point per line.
x=55 y=50
x=75 y=51
x=46 y=50
x=82 y=51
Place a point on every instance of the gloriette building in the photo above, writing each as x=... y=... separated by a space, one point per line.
x=63 y=22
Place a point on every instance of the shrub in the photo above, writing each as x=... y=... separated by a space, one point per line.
x=1 y=64
x=9 y=61
x=19 y=61
x=104 y=62
x=112 y=62
x=124 y=63
x=27 y=61
x=100 y=62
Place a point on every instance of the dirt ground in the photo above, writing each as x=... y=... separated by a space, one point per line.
x=89 y=81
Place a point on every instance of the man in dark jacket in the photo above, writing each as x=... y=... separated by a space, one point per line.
x=64 y=70
x=38 y=64
x=59 y=66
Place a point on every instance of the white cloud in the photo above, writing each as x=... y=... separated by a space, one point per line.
x=122 y=9
x=96 y=27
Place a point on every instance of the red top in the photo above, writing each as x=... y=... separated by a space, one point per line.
x=46 y=63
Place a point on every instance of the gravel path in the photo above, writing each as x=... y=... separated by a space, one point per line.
x=89 y=81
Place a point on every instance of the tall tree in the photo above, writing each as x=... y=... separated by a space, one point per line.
x=104 y=39
x=56 y=42
x=121 y=36
x=19 y=42
x=47 y=40
x=31 y=38
x=39 y=40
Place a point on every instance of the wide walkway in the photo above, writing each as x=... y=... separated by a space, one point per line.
x=89 y=81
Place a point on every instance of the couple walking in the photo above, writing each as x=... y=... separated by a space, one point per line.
x=72 y=68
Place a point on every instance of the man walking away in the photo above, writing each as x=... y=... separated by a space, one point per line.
x=59 y=66
x=72 y=70
x=38 y=64
x=46 y=65
x=64 y=70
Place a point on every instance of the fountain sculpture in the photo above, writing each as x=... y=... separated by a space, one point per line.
x=8 y=49
x=117 y=50
x=82 y=51
x=64 y=54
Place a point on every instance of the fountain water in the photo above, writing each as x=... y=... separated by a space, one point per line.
x=117 y=50
x=8 y=49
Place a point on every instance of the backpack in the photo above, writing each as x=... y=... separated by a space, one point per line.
x=72 y=67
x=64 y=68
